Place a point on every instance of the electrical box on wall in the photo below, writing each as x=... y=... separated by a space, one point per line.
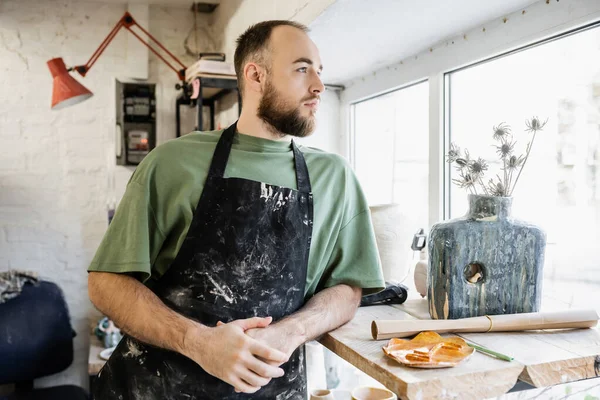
x=136 y=121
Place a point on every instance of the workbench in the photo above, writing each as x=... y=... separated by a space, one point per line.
x=541 y=358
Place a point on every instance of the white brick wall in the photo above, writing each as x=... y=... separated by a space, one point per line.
x=52 y=164
x=54 y=169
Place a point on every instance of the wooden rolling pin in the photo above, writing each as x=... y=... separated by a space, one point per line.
x=387 y=329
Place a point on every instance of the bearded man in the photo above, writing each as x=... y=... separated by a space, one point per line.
x=231 y=249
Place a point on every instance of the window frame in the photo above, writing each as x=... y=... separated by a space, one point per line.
x=352 y=111
x=440 y=107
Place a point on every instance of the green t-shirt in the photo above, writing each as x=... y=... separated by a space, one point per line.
x=155 y=213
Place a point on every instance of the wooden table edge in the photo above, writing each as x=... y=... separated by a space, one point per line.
x=405 y=390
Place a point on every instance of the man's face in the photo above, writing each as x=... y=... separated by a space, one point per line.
x=291 y=94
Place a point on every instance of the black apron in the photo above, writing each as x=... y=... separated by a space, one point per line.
x=245 y=255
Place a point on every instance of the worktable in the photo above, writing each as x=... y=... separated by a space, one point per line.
x=541 y=358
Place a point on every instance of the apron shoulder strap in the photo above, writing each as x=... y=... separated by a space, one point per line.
x=302 y=178
x=221 y=154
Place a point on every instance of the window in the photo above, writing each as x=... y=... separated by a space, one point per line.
x=559 y=188
x=391 y=150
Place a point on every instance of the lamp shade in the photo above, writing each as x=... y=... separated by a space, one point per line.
x=66 y=91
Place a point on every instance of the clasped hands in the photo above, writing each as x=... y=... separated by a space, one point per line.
x=244 y=353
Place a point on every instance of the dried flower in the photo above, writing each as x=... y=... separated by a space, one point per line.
x=465 y=180
x=535 y=124
x=478 y=167
x=470 y=172
x=505 y=149
x=464 y=161
x=453 y=153
x=502 y=132
x=514 y=162
x=497 y=189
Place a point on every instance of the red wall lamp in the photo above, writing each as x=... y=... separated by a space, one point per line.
x=66 y=91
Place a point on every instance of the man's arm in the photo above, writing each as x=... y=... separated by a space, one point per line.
x=327 y=310
x=135 y=309
x=225 y=351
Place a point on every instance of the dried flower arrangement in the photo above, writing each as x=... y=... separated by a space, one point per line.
x=471 y=171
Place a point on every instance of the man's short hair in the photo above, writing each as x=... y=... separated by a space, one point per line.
x=252 y=44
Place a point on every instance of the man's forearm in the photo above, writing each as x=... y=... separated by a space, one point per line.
x=136 y=310
x=327 y=310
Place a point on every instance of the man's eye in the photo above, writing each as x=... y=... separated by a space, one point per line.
x=303 y=69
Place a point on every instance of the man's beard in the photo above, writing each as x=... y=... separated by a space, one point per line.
x=281 y=118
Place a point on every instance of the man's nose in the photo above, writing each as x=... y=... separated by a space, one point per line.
x=317 y=86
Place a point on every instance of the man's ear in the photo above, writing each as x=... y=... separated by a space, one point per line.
x=254 y=77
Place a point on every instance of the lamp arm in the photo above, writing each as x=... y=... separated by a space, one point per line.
x=127 y=21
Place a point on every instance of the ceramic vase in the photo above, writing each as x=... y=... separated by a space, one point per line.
x=485 y=262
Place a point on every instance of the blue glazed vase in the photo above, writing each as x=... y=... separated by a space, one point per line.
x=485 y=263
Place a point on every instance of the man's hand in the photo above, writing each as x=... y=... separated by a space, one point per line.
x=227 y=353
x=324 y=312
x=277 y=337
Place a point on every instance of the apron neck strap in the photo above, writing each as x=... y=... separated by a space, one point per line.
x=223 y=149
x=302 y=179
x=221 y=154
